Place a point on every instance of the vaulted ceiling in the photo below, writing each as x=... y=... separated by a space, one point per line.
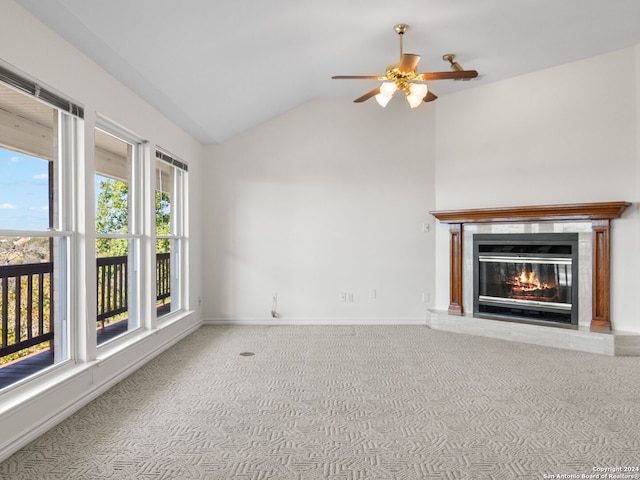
x=219 y=68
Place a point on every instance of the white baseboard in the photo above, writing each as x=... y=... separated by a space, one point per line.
x=314 y=321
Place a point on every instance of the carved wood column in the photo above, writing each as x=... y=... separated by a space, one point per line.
x=455 y=280
x=601 y=274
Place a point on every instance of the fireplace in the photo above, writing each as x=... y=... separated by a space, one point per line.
x=526 y=277
x=596 y=216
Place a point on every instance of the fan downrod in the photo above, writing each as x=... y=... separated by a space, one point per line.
x=400 y=29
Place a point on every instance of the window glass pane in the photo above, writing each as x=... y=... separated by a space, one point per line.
x=116 y=247
x=21 y=250
x=112 y=211
x=113 y=170
x=164 y=194
x=112 y=270
x=169 y=212
x=163 y=277
x=24 y=191
x=26 y=294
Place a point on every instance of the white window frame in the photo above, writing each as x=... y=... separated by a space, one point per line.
x=178 y=235
x=135 y=195
x=62 y=231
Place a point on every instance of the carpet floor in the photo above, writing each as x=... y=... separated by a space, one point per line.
x=351 y=403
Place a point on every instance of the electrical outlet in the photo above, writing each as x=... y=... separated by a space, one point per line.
x=350 y=297
x=426 y=228
x=426 y=297
x=373 y=294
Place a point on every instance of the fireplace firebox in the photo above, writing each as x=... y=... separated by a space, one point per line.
x=526 y=277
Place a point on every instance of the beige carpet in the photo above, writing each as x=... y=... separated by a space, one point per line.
x=350 y=403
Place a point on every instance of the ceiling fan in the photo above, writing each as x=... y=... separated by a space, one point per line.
x=403 y=76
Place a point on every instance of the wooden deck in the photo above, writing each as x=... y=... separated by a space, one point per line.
x=111 y=331
x=25 y=367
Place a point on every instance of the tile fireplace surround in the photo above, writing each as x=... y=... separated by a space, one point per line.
x=591 y=221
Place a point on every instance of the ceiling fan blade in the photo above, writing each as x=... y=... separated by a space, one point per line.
x=358 y=77
x=408 y=62
x=429 y=97
x=457 y=75
x=367 y=95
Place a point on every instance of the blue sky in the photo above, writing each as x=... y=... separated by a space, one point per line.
x=23 y=192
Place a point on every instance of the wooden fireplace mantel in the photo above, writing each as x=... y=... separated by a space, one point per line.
x=600 y=215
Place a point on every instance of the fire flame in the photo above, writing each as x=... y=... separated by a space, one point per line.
x=529 y=281
x=526 y=285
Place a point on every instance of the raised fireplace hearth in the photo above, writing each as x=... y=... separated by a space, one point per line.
x=526 y=277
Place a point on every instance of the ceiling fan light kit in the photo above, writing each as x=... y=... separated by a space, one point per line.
x=417 y=92
x=387 y=89
x=403 y=76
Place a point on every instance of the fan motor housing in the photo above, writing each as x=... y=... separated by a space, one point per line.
x=401 y=78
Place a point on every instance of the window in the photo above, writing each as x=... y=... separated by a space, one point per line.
x=36 y=150
x=141 y=233
x=170 y=185
x=118 y=227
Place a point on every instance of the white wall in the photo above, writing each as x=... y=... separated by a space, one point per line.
x=29 y=46
x=568 y=134
x=319 y=201
x=328 y=198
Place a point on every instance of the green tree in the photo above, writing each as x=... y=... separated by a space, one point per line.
x=163 y=218
x=112 y=216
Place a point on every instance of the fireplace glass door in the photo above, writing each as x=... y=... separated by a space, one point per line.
x=526 y=277
x=516 y=281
